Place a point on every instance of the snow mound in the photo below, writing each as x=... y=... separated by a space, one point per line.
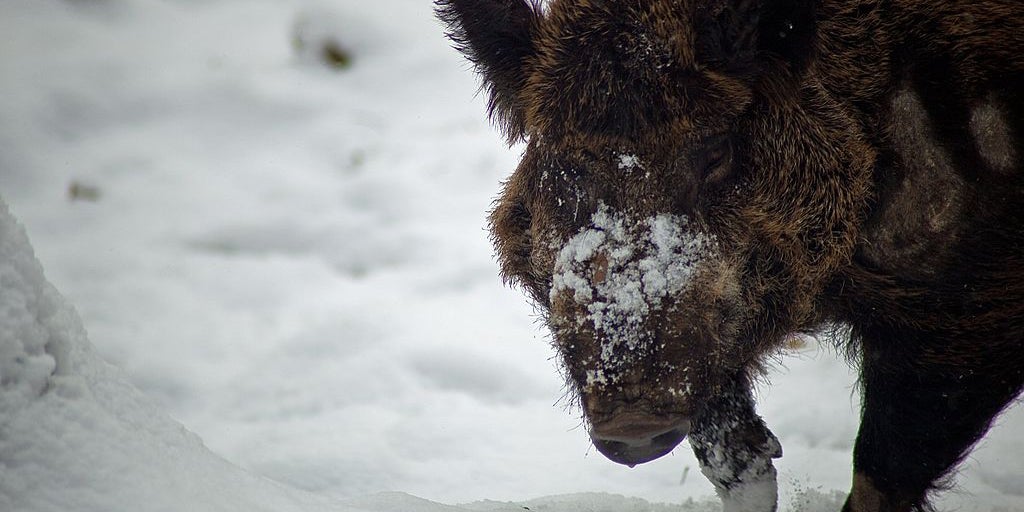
x=75 y=435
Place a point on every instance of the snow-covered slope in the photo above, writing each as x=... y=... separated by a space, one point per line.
x=288 y=256
x=76 y=436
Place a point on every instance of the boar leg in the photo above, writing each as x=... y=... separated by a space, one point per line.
x=735 y=450
x=925 y=403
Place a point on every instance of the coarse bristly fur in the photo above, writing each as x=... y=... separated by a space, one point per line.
x=848 y=164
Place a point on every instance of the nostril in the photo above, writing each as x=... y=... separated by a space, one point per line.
x=670 y=439
x=616 y=451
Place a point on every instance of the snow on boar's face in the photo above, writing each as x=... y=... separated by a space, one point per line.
x=686 y=192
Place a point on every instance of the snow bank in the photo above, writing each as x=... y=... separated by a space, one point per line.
x=76 y=436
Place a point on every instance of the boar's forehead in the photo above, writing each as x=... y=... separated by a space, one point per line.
x=628 y=70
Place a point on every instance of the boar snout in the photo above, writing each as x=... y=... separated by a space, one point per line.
x=635 y=437
x=635 y=341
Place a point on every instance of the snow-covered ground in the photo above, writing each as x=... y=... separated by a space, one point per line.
x=288 y=257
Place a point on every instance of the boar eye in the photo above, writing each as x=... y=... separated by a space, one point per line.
x=714 y=162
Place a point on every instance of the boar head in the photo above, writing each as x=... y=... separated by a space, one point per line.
x=688 y=189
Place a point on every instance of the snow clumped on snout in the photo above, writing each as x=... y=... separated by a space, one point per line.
x=621 y=269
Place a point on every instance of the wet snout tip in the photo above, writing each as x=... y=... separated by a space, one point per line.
x=633 y=439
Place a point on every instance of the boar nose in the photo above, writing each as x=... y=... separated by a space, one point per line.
x=636 y=438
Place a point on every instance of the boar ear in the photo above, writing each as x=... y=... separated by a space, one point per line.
x=498 y=37
x=755 y=33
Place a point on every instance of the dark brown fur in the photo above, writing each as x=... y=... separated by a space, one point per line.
x=844 y=162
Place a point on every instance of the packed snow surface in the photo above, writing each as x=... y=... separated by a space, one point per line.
x=270 y=217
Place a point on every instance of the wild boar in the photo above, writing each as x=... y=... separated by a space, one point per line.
x=702 y=179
